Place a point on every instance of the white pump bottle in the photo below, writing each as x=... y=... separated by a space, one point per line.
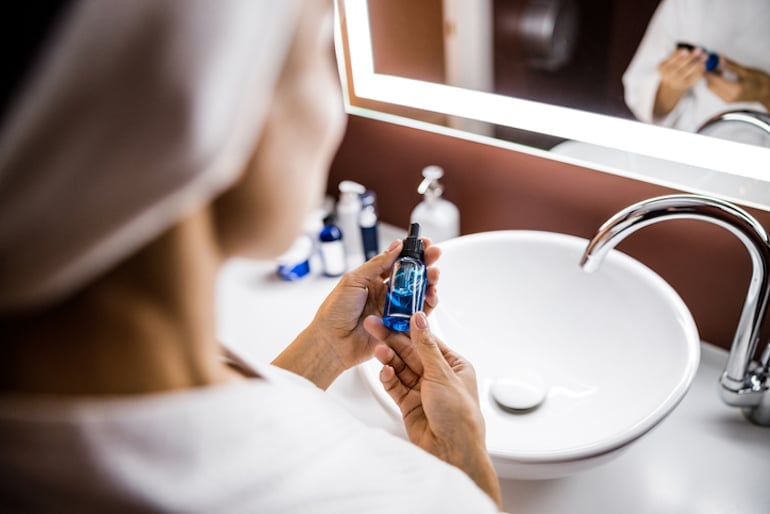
x=348 y=209
x=439 y=218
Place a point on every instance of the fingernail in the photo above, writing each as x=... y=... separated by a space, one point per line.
x=420 y=320
x=394 y=245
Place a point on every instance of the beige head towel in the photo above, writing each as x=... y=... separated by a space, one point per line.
x=138 y=112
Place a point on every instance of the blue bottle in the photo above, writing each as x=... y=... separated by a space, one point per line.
x=712 y=61
x=332 y=249
x=408 y=282
x=367 y=220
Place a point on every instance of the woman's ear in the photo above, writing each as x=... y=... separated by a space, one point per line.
x=264 y=211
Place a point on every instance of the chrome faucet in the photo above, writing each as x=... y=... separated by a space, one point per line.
x=757 y=119
x=745 y=383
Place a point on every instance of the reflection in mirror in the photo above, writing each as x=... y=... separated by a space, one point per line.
x=600 y=56
x=700 y=58
x=405 y=73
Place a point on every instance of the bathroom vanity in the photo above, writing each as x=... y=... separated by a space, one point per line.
x=704 y=458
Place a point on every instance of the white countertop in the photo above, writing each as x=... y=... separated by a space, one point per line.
x=703 y=458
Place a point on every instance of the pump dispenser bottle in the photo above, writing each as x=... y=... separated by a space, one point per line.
x=348 y=211
x=439 y=218
x=408 y=282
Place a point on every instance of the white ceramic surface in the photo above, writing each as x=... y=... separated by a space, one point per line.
x=616 y=349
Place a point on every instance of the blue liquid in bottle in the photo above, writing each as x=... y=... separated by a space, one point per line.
x=408 y=282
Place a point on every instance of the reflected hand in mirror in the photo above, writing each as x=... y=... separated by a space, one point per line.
x=749 y=85
x=678 y=74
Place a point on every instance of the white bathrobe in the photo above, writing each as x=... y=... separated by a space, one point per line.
x=737 y=29
x=276 y=445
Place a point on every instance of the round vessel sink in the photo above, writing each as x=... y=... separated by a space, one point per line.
x=572 y=366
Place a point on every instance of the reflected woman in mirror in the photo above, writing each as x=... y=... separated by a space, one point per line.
x=699 y=58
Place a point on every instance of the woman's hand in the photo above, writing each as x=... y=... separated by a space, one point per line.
x=336 y=340
x=435 y=389
x=749 y=85
x=678 y=73
x=361 y=293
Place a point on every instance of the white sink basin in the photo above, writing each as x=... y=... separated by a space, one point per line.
x=609 y=353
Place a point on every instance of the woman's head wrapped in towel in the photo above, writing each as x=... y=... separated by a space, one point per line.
x=137 y=114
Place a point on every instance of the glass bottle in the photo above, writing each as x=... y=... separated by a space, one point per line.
x=407 y=285
x=332 y=249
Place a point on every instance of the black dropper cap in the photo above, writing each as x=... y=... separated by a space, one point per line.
x=329 y=219
x=413 y=246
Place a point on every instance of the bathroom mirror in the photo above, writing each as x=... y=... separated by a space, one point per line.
x=610 y=141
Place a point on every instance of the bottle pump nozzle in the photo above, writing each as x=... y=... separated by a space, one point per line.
x=351 y=188
x=430 y=186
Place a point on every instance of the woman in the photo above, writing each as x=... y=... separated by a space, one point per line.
x=152 y=142
x=670 y=86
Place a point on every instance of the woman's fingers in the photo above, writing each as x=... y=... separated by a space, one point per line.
x=683 y=68
x=407 y=362
x=403 y=386
x=431 y=292
x=376 y=267
x=739 y=70
x=434 y=365
x=432 y=253
x=376 y=329
x=391 y=359
x=407 y=399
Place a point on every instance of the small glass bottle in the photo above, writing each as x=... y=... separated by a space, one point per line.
x=408 y=282
x=332 y=249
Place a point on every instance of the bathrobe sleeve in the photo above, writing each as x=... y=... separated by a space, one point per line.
x=272 y=445
x=641 y=79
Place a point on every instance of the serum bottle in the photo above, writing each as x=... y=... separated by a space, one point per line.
x=332 y=249
x=408 y=281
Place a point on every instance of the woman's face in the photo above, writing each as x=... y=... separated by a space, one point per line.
x=286 y=178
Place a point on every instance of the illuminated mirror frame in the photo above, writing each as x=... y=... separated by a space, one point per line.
x=703 y=164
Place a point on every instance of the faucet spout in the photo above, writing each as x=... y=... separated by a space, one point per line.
x=756 y=119
x=744 y=382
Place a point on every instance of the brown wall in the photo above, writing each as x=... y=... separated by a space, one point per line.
x=496 y=188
